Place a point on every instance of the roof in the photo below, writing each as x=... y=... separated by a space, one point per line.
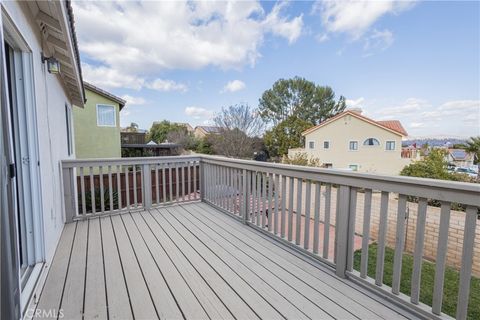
x=71 y=20
x=151 y=146
x=459 y=154
x=393 y=126
x=209 y=129
x=106 y=94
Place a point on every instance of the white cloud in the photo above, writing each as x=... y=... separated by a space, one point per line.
x=167 y=85
x=377 y=41
x=411 y=106
x=355 y=17
x=106 y=77
x=233 y=86
x=415 y=125
x=322 y=37
x=198 y=113
x=142 y=39
x=455 y=108
x=355 y=103
x=281 y=26
x=133 y=101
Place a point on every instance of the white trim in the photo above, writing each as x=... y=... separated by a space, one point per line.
x=114 y=116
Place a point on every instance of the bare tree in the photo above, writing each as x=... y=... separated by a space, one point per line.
x=239 y=125
x=241 y=117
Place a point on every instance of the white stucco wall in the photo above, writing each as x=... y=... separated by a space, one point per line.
x=372 y=159
x=50 y=99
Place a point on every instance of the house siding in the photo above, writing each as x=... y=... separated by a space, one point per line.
x=50 y=99
x=339 y=133
x=91 y=140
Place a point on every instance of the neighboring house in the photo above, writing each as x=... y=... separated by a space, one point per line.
x=97 y=125
x=128 y=137
x=203 y=131
x=460 y=158
x=354 y=142
x=186 y=125
x=36 y=102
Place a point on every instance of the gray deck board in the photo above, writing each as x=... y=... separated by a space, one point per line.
x=194 y=262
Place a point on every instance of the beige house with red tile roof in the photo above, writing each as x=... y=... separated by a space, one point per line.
x=352 y=141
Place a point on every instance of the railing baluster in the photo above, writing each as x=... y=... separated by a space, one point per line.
x=82 y=190
x=442 y=248
x=284 y=206
x=102 y=196
x=399 y=243
x=92 y=191
x=316 y=219
x=157 y=184
x=259 y=198
x=170 y=182
x=467 y=260
x=351 y=227
x=127 y=186
x=298 y=221
x=264 y=199
x=326 y=222
x=183 y=180
x=269 y=210
x=196 y=174
x=164 y=184
x=308 y=194
x=110 y=188
x=418 y=252
x=134 y=173
x=234 y=189
x=367 y=209
x=245 y=195
x=382 y=235
x=119 y=187
x=189 y=178
x=276 y=203
x=290 y=208
x=177 y=183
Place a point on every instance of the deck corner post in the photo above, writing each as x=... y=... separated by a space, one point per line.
x=147 y=186
x=69 y=192
x=245 y=196
x=342 y=230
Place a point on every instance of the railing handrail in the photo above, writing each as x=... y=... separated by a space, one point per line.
x=451 y=191
x=73 y=163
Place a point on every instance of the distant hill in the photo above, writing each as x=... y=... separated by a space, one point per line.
x=433 y=142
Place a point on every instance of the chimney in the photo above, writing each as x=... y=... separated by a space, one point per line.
x=356 y=110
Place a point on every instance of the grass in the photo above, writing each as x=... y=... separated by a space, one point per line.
x=450 y=290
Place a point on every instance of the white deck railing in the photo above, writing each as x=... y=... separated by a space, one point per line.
x=313 y=210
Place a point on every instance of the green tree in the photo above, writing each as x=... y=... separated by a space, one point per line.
x=473 y=146
x=301 y=98
x=285 y=135
x=160 y=130
x=432 y=166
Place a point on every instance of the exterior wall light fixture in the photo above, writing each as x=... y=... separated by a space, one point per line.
x=53 y=65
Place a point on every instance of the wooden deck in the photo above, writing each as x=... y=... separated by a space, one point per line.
x=192 y=261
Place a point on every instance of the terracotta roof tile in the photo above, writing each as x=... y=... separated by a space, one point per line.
x=394 y=125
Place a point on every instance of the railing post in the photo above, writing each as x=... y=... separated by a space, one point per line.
x=147 y=186
x=201 y=168
x=69 y=194
x=342 y=230
x=245 y=196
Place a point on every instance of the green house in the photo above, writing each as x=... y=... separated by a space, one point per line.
x=97 y=125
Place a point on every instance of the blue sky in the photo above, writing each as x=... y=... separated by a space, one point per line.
x=418 y=62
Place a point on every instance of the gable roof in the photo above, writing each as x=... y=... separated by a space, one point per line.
x=105 y=94
x=209 y=129
x=460 y=154
x=393 y=126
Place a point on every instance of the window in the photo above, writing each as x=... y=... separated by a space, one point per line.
x=371 y=142
x=68 y=121
x=326 y=144
x=353 y=145
x=390 y=145
x=353 y=167
x=311 y=144
x=106 y=115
